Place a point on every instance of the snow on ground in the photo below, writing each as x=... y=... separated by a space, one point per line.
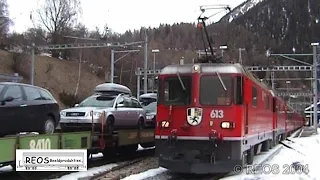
x=5 y=169
x=94 y=156
x=304 y=151
x=90 y=172
x=95 y=170
x=141 y=148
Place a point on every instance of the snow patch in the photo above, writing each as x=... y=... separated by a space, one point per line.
x=90 y=172
x=6 y=169
x=301 y=151
x=240 y=10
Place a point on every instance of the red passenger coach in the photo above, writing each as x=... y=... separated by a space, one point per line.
x=211 y=117
x=279 y=119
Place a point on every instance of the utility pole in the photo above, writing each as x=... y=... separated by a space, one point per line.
x=32 y=64
x=154 y=51
x=113 y=61
x=112 y=66
x=138 y=83
x=240 y=55
x=315 y=86
x=145 y=75
x=272 y=80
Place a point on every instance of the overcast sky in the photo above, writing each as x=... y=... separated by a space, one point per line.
x=121 y=15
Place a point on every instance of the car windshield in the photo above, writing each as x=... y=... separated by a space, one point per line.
x=98 y=101
x=147 y=101
x=1 y=87
x=152 y=107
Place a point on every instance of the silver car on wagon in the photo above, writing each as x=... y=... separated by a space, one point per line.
x=122 y=111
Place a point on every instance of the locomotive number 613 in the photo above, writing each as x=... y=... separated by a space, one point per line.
x=217 y=114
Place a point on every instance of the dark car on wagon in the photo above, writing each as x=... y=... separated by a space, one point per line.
x=27 y=108
x=149 y=104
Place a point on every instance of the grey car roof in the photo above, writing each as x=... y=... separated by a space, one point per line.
x=112 y=87
x=149 y=95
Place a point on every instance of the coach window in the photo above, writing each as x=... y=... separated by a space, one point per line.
x=177 y=90
x=216 y=91
x=254 y=97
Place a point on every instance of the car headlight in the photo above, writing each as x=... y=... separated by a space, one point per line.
x=63 y=113
x=97 y=114
x=149 y=117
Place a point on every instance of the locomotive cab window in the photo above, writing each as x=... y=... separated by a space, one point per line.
x=177 y=90
x=216 y=90
x=238 y=90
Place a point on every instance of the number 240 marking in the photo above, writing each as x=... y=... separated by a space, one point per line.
x=217 y=114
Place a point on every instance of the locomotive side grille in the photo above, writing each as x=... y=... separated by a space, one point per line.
x=75 y=114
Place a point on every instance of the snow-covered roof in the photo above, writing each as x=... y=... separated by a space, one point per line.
x=311 y=106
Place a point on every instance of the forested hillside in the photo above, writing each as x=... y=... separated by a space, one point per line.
x=276 y=25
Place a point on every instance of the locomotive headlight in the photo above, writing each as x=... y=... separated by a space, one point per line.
x=227 y=125
x=196 y=68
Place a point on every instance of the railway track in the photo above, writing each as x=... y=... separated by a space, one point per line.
x=192 y=177
x=121 y=170
x=96 y=162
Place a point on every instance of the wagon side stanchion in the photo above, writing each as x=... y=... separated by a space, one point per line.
x=92 y=125
x=101 y=139
x=92 y=133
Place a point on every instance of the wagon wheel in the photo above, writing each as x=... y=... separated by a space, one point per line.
x=109 y=125
x=109 y=153
x=48 y=126
x=141 y=123
x=128 y=149
x=250 y=155
x=25 y=174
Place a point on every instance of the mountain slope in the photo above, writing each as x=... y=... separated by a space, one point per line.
x=289 y=23
x=240 y=10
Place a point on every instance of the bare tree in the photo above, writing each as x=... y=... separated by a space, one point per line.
x=57 y=15
x=5 y=21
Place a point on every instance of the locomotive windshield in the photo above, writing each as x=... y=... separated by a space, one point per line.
x=177 y=90
x=213 y=93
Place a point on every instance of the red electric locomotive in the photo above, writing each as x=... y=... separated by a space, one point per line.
x=211 y=117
